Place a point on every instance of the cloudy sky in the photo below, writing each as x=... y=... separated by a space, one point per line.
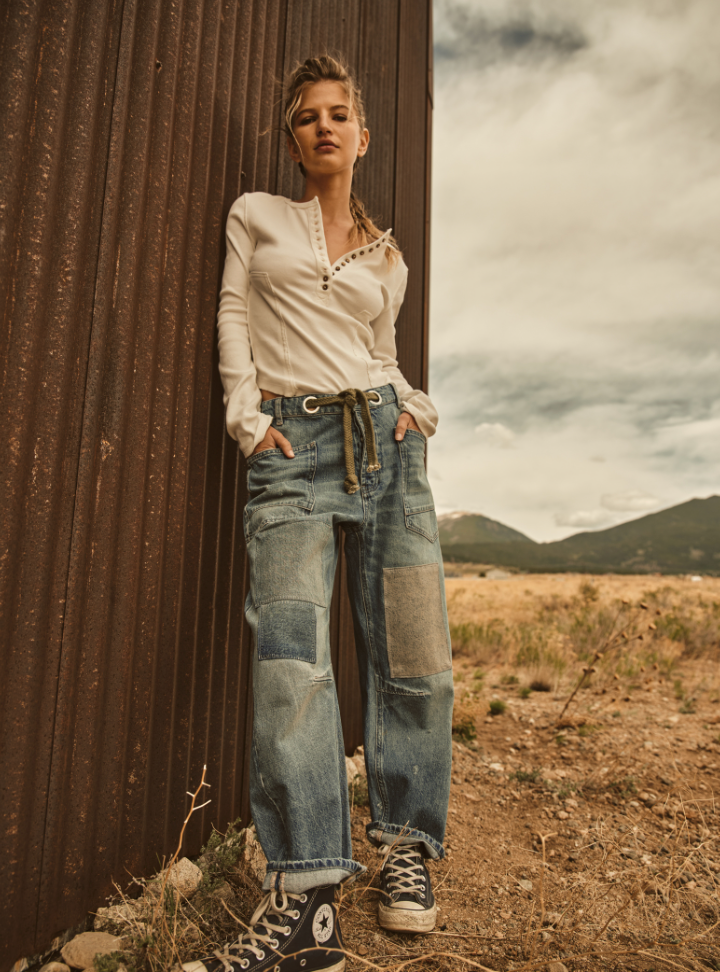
x=575 y=315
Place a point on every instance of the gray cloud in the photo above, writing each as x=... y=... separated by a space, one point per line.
x=480 y=37
x=575 y=299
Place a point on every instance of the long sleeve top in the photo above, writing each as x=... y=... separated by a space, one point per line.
x=292 y=322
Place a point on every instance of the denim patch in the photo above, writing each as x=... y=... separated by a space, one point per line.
x=287 y=629
x=415 y=628
x=287 y=561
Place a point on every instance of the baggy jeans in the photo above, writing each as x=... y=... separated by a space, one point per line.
x=296 y=508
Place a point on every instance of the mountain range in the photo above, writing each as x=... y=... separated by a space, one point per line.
x=679 y=540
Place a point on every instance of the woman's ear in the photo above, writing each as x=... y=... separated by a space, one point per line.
x=293 y=149
x=364 y=142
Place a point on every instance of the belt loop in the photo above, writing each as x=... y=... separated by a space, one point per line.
x=277 y=405
x=397 y=397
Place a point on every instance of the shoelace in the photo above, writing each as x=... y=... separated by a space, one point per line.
x=405 y=870
x=253 y=939
x=349 y=399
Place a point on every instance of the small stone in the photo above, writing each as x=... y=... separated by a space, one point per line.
x=115 y=918
x=55 y=967
x=496 y=767
x=362 y=950
x=525 y=885
x=562 y=815
x=351 y=769
x=557 y=967
x=184 y=876
x=81 y=950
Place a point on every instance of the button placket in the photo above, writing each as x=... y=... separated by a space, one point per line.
x=321 y=255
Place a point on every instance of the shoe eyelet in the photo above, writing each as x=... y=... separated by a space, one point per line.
x=245 y=964
x=303 y=963
x=310 y=411
x=275 y=943
x=261 y=956
x=294 y=914
x=303 y=897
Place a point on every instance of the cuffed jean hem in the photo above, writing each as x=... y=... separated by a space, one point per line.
x=385 y=833
x=300 y=875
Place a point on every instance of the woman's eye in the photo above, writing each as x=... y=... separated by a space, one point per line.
x=306 y=120
x=340 y=117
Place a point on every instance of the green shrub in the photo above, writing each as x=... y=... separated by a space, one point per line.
x=464 y=730
x=497 y=707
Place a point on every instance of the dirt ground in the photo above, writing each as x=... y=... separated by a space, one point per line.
x=583 y=819
x=623 y=790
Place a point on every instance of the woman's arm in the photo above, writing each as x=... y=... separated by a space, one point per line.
x=416 y=404
x=245 y=421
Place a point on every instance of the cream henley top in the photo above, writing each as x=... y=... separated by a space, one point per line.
x=293 y=323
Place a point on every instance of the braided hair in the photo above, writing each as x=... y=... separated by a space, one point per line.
x=327 y=68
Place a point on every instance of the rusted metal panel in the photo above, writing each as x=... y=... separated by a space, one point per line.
x=57 y=90
x=131 y=127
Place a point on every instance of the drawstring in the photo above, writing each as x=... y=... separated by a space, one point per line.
x=348 y=399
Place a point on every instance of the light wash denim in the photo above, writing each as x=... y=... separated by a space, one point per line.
x=292 y=522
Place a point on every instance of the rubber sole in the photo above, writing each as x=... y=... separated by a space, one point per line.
x=401 y=919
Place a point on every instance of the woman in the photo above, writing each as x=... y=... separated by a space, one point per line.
x=335 y=439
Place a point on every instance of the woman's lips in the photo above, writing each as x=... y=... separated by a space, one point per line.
x=326 y=147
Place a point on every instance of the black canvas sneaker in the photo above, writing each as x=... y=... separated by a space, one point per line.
x=288 y=933
x=407 y=902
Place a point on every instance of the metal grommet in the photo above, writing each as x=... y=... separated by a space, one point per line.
x=310 y=411
x=378 y=400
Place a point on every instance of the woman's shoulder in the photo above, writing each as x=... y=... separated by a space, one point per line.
x=257 y=208
x=260 y=201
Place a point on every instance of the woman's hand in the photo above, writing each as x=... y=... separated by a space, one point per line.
x=274 y=440
x=406 y=421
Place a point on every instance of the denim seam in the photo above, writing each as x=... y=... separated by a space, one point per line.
x=379 y=780
x=317 y=864
x=278 y=810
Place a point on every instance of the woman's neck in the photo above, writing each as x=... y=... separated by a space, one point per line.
x=333 y=192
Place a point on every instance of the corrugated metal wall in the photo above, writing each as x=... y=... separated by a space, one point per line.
x=129 y=127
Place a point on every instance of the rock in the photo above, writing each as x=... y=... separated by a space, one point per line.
x=184 y=876
x=562 y=815
x=116 y=918
x=351 y=769
x=81 y=950
x=496 y=767
x=525 y=885
x=557 y=967
x=55 y=967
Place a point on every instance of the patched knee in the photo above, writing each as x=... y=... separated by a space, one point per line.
x=416 y=630
x=287 y=629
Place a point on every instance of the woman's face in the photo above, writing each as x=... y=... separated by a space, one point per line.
x=329 y=138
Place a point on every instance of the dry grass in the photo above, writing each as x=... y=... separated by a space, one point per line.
x=588 y=842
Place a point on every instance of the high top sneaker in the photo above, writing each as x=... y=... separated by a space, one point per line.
x=407 y=902
x=289 y=932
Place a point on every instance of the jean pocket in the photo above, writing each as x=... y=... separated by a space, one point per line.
x=418 y=503
x=275 y=480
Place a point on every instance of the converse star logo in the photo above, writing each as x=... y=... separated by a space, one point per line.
x=322 y=926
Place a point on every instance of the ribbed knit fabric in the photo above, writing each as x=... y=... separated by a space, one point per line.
x=294 y=323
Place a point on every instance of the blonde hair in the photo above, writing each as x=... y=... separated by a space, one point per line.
x=327 y=68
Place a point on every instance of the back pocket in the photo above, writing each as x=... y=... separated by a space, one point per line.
x=418 y=503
